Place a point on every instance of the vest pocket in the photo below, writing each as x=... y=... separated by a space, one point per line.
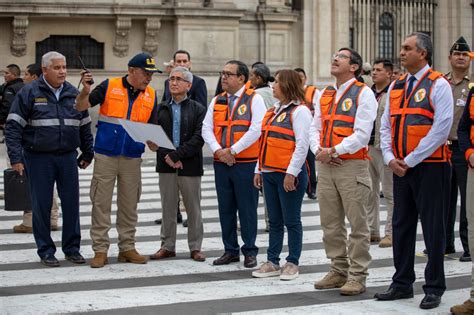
x=107 y=137
x=414 y=135
x=396 y=99
x=115 y=107
x=278 y=153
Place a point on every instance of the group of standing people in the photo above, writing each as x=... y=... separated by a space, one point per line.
x=395 y=133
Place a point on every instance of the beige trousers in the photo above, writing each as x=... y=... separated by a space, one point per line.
x=126 y=171
x=379 y=173
x=343 y=192
x=190 y=188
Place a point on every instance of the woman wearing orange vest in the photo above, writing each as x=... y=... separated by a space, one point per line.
x=280 y=169
x=466 y=144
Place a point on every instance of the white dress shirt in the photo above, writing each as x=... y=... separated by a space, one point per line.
x=364 y=121
x=442 y=102
x=249 y=138
x=301 y=122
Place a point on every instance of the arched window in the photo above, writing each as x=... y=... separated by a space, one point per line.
x=386 y=35
x=90 y=50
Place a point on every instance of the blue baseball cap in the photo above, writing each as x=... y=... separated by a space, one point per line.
x=144 y=61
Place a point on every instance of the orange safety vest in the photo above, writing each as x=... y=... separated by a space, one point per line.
x=248 y=85
x=116 y=102
x=308 y=97
x=338 y=119
x=412 y=116
x=229 y=126
x=277 y=143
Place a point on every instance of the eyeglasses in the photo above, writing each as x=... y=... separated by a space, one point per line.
x=227 y=74
x=340 y=56
x=177 y=79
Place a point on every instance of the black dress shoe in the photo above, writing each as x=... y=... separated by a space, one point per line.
x=312 y=196
x=430 y=301
x=185 y=223
x=76 y=258
x=250 y=261
x=179 y=217
x=226 y=259
x=158 y=221
x=393 y=294
x=50 y=261
x=465 y=257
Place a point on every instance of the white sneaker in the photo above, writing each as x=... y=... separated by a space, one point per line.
x=266 y=270
x=289 y=271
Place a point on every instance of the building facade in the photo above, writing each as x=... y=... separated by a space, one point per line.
x=281 y=33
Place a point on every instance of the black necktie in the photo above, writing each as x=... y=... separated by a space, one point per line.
x=411 y=81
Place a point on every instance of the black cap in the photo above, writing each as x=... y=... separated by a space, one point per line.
x=144 y=61
x=460 y=45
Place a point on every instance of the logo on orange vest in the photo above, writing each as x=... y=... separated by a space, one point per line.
x=471 y=85
x=346 y=104
x=420 y=95
x=281 y=117
x=242 y=109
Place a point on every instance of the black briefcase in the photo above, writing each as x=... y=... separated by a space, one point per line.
x=17 y=191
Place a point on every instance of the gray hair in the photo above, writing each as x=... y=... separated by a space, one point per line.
x=188 y=76
x=47 y=58
x=423 y=42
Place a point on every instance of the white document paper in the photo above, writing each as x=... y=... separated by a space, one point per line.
x=141 y=132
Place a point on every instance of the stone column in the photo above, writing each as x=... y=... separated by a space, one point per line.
x=151 y=35
x=20 y=27
x=123 y=25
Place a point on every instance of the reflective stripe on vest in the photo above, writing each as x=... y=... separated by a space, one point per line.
x=116 y=102
x=412 y=116
x=228 y=131
x=337 y=120
x=277 y=143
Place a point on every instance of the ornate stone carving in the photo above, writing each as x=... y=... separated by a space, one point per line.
x=122 y=31
x=151 y=35
x=20 y=27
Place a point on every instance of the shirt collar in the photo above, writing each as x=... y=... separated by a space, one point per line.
x=344 y=85
x=58 y=90
x=177 y=103
x=420 y=73
x=279 y=107
x=238 y=93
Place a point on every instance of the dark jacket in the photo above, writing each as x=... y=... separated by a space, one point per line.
x=191 y=142
x=464 y=127
x=38 y=122
x=9 y=91
x=198 y=91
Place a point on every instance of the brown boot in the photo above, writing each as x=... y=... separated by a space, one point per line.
x=330 y=281
x=352 y=287
x=22 y=229
x=132 y=256
x=386 y=241
x=465 y=308
x=99 y=260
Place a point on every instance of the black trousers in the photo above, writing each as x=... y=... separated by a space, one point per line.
x=422 y=192
x=458 y=181
x=311 y=159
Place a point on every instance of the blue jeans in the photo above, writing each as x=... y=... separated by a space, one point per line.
x=235 y=192
x=44 y=169
x=284 y=209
